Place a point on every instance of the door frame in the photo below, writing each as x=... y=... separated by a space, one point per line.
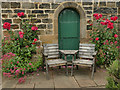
x=81 y=12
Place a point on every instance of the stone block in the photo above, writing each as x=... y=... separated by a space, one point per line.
x=87 y=8
x=4 y=15
x=118 y=4
x=15 y=5
x=47 y=20
x=102 y=4
x=6 y=5
x=28 y=5
x=54 y=5
x=48 y=1
x=13 y=15
x=105 y=10
x=37 y=11
x=89 y=12
x=36 y=0
x=16 y=20
x=6 y=20
x=49 y=26
x=110 y=4
x=28 y=11
x=49 y=11
x=36 y=6
x=69 y=4
x=44 y=6
x=31 y=15
x=6 y=11
x=36 y=21
x=18 y=10
x=42 y=26
x=87 y=3
x=42 y=15
x=49 y=32
x=14 y=26
x=41 y=32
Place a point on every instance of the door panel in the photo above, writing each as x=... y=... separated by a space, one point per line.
x=69 y=30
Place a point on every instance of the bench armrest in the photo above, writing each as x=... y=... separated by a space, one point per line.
x=94 y=53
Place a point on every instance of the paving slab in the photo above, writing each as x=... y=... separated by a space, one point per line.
x=11 y=83
x=40 y=81
x=63 y=81
x=100 y=77
x=83 y=77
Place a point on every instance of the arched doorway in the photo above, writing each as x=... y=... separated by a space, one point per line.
x=68 y=30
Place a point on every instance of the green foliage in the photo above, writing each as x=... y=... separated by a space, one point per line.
x=114 y=75
x=107 y=44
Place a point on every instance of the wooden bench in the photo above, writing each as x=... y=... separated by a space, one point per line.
x=85 y=57
x=51 y=57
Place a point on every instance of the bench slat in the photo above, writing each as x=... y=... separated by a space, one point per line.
x=89 y=57
x=88 y=45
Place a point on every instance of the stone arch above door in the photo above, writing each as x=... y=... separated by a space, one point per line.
x=79 y=9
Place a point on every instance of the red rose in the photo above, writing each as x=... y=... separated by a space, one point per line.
x=114 y=18
x=35 y=39
x=34 y=28
x=6 y=25
x=20 y=14
x=103 y=23
x=97 y=39
x=110 y=25
x=103 y=18
x=95 y=15
x=91 y=24
x=100 y=15
x=33 y=43
x=115 y=35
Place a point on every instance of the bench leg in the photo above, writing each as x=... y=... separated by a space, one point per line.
x=77 y=67
x=93 y=68
x=72 y=70
x=66 y=69
x=47 y=71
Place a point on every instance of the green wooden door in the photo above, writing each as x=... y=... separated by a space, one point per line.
x=69 y=30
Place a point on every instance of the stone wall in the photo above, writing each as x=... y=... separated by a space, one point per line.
x=42 y=12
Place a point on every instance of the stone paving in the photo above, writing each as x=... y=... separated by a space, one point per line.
x=58 y=79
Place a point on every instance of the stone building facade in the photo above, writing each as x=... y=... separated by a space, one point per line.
x=45 y=15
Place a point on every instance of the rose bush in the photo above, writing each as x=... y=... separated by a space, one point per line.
x=20 y=43
x=105 y=36
x=18 y=49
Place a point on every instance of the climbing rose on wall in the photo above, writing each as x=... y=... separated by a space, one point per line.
x=34 y=28
x=6 y=25
x=20 y=14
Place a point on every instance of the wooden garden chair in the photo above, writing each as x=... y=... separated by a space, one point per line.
x=85 y=57
x=51 y=57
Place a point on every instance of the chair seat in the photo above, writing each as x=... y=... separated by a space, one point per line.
x=56 y=61
x=83 y=61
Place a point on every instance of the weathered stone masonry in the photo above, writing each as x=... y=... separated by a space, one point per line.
x=43 y=15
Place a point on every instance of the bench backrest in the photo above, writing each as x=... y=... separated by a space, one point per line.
x=51 y=50
x=86 y=51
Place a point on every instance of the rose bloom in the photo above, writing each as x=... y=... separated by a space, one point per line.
x=30 y=64
x=110 y=25
x=100 y=15
x=91 y=24
x=20 y=14
x=6 y=25
x=34 y=28
x=115 y=42
x=97 y=39
x=35 y=39
x=21 y=36
x=33 y=43
x=115 y=35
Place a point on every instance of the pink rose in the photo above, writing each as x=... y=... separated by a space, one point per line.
x=20 y=14
x=97 y=39
x=115 y=42
x=34 y=28
x=30 y=64
x=115 y=35
x=35 y=39
x=17 y=61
